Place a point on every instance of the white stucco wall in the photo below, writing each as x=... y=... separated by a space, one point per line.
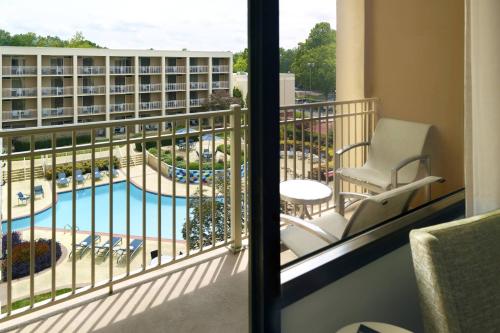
x=287 y=86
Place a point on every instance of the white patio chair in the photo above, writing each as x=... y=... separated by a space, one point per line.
x=394 y=157
x=303 y=237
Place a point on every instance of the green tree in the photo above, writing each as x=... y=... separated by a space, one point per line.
x=287 y=57
x=314 y=64
x=221 y=100
x=240 y=61
x=32 y=39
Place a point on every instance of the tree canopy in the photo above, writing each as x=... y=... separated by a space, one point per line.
x=32 y=39
x=312 y=61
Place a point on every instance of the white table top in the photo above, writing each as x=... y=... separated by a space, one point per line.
x=164 y=259
x=305 y=192
x=381 y=327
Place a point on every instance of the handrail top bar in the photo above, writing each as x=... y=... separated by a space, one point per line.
x=81 y=127
x=330 y=103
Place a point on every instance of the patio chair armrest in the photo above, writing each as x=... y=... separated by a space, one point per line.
x=349 y=147
x=405 y=162
x=344 y=195
x=341 y=151
x=308 y=227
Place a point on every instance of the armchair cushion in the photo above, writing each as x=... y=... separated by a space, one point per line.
x=458 y=274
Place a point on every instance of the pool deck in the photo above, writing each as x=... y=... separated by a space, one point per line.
x=21 y=287
x=42 y=203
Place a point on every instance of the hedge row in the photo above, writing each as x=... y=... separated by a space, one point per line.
x=21 y=256
x=22 y=145
x=85 y=166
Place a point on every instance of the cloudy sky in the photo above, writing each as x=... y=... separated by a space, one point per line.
x=159 y=24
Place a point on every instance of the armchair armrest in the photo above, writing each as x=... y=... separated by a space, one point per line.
x=405 y=162
x=309 y=227
x=344 y=195
x=349 y=147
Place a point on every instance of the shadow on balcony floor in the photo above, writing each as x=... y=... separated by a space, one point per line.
x=209 y=295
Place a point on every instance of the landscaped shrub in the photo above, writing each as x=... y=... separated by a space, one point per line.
x=21 y=258
x=24 y=145
x=85 y=166
x=16 y=239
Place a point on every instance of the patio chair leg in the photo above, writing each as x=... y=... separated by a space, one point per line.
x=336 y=192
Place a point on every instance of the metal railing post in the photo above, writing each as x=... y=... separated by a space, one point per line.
x=235 y=178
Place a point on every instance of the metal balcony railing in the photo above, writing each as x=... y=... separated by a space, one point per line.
x=220 y=69
x=149 y=69
x=18 y=70
x=121 y=88
x=197 y=102
x=91 y=109
x=153 y=105
x=173 y=104
x=57 y=91
x=19 y=114
x=19 y=92
x=106 y=205
x=175 y=86
x=150 y=87
x=91 y=70
x=122 y=107
x=57 y=70
x=198 y=69
x=64 y=111
x=121 y=69
x=198 y=85
x=220 y=85
x=92 y=90
x=311 y=133
x=175 y=69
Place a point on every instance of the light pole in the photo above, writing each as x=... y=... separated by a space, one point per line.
x=310 y=65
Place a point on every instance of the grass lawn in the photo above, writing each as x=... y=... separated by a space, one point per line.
x=38 y=298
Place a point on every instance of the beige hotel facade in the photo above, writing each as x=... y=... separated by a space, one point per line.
x=55 y=86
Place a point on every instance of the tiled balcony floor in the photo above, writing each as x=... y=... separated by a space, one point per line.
x=208 y=293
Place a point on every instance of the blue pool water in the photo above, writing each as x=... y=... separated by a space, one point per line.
x=83 y=212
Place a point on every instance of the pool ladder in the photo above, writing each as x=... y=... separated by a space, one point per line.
x=70 y=228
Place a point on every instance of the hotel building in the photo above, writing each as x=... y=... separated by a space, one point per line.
x=54 y=86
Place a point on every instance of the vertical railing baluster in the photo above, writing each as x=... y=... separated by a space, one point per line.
x=160 y=196
x=92 y=209
x=200 y=182
x=235 y=178
x=174 y=195
x=73 y=212
x=111 y=204
x=9 y=225
x=224 y=118
x=246 y=172
x=32 y=221
x=319 y=149
x=214 y=154
x=285 y=146
x=188 y=182
x=127 y=241
x=302 y=123
x=53 y=259
x=311 y=151
x=144 y=162
x=294 y=138
x=327 y=151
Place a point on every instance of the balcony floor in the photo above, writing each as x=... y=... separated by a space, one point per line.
x=207 y=293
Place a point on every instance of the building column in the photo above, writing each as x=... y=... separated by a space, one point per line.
x=188 y=87
x=210 y=77
x=107 y=85
x=136 y=90
x=1 y=96
x=38 y=90
x=163 y=89
x=75 y=89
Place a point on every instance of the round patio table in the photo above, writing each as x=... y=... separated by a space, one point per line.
x=371 y=327
x=305 y=192
x=164 y=259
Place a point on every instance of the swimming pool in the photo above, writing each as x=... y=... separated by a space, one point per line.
x=83 y=212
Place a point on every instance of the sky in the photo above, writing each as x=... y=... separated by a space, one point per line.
x=205 y=25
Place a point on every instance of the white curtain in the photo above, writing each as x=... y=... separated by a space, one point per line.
x=482 y=105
